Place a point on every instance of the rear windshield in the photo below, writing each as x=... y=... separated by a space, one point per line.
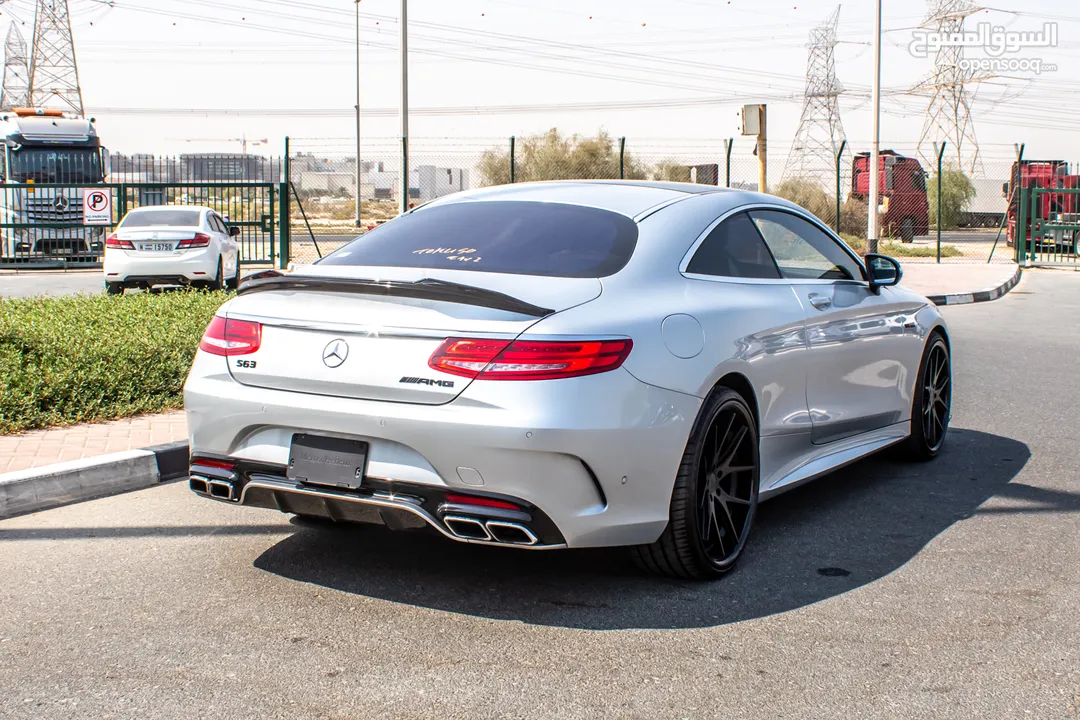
x=520 y=238
x=149 y=218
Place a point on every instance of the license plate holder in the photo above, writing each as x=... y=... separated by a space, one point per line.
x=327 y=461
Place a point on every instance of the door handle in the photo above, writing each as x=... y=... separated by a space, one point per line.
x=821 y=302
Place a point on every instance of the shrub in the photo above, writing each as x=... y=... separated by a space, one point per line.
x=85 y=358
x=957 y=192
x=554 y=156
x=858 y=244
x=809 y=194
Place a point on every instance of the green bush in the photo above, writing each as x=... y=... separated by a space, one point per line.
x=808 y=193
x=957 y=194
x=85 y=358
x=899 y=250
x=554 y=156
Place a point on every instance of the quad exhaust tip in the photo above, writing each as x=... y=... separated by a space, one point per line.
x=218 y=489
x=466 y=528
x=510 y=533
x=497 y=531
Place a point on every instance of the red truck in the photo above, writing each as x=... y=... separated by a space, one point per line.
x=902 y=184
x=1044 y=174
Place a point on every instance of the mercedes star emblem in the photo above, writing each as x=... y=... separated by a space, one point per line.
x=335 y=353
x=60 y=203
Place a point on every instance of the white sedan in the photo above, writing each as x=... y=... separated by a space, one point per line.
x=172 y=245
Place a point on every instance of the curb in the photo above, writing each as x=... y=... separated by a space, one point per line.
x=36 y=489
x=981 y=296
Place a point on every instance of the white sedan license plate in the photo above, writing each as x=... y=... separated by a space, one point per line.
x=155 y=247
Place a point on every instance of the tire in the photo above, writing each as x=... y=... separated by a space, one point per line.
x=930 y=426
x=692 y=545
x=233 y=283
x=907 y=230
x=218 y=282
x=114 y=288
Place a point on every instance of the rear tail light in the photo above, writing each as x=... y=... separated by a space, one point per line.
x=231 y=337
x=200 y=240
x=528 y=359
x=480 y=502
x=114 y=242
x=213 y=463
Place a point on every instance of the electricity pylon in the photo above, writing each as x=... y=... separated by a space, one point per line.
x=16 y=87
x=948 y=114
x=54 y=76
x=820 y=133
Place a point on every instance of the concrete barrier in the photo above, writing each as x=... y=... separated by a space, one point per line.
x=27 y=491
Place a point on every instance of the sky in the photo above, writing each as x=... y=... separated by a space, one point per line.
x=482 y=70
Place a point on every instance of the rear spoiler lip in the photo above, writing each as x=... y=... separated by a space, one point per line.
x=425 y=289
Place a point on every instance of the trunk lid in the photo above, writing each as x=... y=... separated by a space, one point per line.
x=156 y=239
x=330 y=340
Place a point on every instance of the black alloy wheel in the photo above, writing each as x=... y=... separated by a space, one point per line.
x=932 y=406
x=715 y=495
x=725 y=495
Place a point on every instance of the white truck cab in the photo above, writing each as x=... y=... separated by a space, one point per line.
x=47 y=147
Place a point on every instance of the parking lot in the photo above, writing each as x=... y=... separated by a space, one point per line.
x=885 y=590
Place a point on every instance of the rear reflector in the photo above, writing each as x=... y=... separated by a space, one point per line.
x=528 y=359
x=200 y=240
x=480 y=502
x=114 y=242
x=213 y=463
x=231 y=337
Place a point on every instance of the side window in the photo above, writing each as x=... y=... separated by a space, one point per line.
x=215 y=222
x=918 y=180
x=734 y=249
x=803 y=251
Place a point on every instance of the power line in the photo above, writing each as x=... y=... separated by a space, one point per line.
x=821 y=133
x=16 y=89
x=54 y=75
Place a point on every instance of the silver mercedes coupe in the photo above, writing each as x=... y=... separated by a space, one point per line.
x=568 y=364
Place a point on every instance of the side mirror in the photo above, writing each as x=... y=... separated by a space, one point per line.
x=883 y=271
x=1005 y=190
x=234 y=231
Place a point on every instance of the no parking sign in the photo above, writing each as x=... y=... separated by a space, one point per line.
x=97 y=207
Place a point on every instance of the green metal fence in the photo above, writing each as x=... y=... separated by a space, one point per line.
x=1048 y=227
x=54 y=224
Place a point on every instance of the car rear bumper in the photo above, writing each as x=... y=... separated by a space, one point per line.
x=129 y=265
x=596 y=455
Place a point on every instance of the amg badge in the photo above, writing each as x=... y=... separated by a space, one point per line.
x=425 y=381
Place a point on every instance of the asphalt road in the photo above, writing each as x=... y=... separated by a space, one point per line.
x=945 y=590
x=51 y=282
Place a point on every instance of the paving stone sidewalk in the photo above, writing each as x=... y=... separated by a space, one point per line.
x=75 y=442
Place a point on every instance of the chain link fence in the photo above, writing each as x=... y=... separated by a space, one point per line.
x=324 y=213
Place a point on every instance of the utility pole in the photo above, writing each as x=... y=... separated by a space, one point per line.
x=875 y=147
x=16 y=71
x=948 y=114
x=358 y=166
x=754 y=122
x=763 y=150
x=54 y=75
x=820 y=135
x=405 y=193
